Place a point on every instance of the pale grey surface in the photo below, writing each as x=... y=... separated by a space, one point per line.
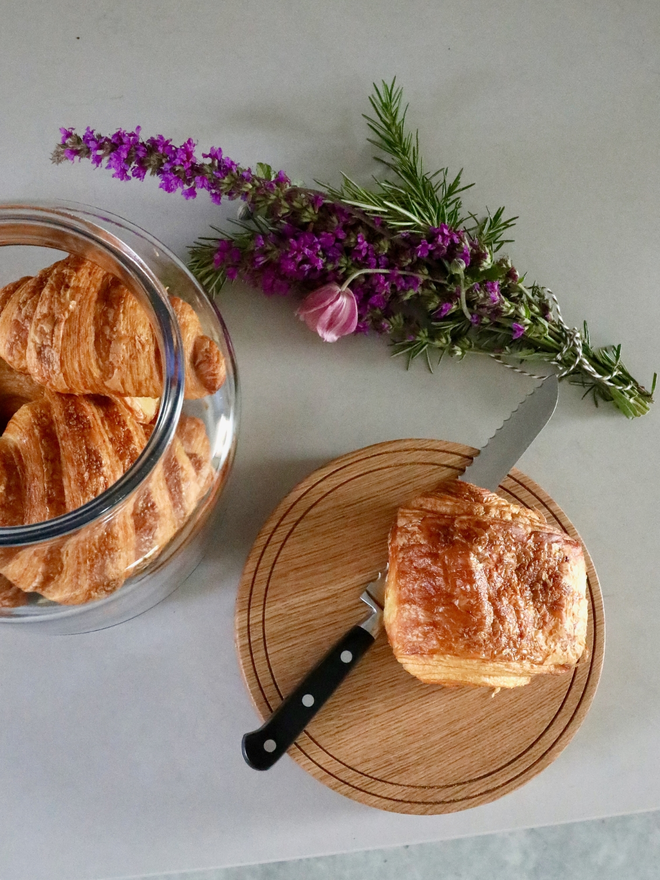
x=607 y=849
x=120 y=750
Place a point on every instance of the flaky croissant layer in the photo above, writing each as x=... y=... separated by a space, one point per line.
x=481 y=591
x=59 y=452
x=75 y=328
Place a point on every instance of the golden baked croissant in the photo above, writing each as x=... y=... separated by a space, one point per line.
x=74 y=328
x=59 y=452
x=481 y=591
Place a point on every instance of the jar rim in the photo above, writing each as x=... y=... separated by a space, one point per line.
x=60 y=226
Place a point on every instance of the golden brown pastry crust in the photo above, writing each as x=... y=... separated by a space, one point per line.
x=17 y=389
x=76 y=329
x=59 y=452
x=481 y=591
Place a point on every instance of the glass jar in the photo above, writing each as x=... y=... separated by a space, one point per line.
x=102 y=534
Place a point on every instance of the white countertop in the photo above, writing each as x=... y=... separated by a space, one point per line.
x=120 y=750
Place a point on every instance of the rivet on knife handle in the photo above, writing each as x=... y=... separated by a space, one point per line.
x=263 y=747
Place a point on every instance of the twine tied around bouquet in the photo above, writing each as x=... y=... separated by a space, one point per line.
x=573 y=346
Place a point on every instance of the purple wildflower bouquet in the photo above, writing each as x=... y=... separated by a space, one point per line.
x=400 y=258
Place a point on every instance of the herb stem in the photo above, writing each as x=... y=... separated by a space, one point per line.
x=359 y=272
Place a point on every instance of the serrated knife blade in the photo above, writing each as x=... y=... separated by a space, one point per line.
x=263 y=747
x=513 y=437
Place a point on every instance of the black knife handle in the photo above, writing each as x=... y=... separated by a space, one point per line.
x=263 y=747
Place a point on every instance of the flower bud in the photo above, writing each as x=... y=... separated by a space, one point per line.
x=330 y=311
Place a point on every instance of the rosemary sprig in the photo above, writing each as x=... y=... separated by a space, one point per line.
x=414 y=200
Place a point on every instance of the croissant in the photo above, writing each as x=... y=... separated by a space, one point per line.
x=75 y=328
x=482 y=592
x=62 y=450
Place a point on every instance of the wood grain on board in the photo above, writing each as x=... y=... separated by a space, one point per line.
x=385 y=738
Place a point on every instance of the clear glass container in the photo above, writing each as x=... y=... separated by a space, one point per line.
x=122 y=535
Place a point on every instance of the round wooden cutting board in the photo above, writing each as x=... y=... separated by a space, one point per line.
x=384 y=738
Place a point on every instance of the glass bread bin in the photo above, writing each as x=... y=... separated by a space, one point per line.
x=118 y=418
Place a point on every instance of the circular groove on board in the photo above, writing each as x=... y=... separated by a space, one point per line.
x=384 y=738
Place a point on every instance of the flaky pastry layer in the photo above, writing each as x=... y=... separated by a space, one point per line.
x=481 y=591
x=61 y=451
x=75 y=328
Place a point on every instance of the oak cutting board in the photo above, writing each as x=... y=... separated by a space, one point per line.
x=385 y=738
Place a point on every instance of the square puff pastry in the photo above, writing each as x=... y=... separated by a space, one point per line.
x=481 y=591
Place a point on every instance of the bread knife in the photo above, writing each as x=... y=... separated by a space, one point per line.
x=263 y=747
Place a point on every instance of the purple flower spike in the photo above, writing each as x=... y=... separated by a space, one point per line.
x=517 y=330
x=493 y=290
x=444 y=310
x=178 y=167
